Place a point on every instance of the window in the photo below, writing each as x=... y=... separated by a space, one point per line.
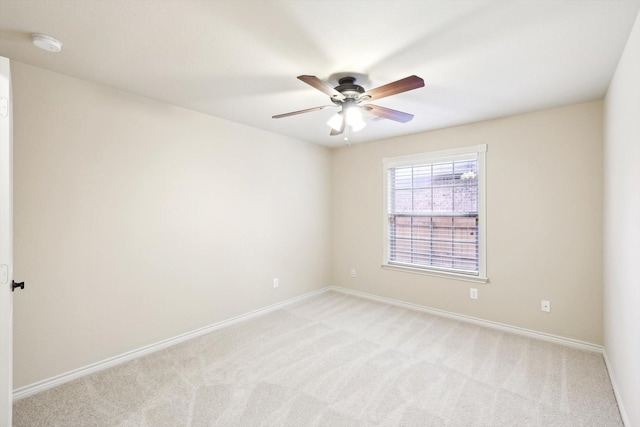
x=434 y=213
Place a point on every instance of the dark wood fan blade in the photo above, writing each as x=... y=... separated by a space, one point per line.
x=399 y=86
x=322 y=87
x=308 y=110
x=387 y=113
x=338 y=132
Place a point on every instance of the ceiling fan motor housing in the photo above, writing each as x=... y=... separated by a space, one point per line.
x=348 y=88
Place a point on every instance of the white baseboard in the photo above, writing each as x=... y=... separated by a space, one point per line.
x=489 y=324
x=66 y=377
x=616 y=393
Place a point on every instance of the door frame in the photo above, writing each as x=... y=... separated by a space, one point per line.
x=6 y=244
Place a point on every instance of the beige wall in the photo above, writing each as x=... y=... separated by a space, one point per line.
x=136 y=221
x=544 y=221
x=622 y=230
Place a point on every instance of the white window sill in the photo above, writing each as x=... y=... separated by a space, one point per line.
x=436 y=273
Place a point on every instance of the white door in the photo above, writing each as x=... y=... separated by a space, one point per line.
x=6 y=245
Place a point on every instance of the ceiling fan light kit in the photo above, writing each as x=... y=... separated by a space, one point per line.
x=354 y=100
x=351 y=114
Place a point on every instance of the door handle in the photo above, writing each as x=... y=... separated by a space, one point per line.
x=15 y=285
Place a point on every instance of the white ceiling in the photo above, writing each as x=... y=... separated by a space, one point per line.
x=239 y=59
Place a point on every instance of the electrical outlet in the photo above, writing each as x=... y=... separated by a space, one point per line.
x=473 y=293
x=545 y=305
x=276 y=283
x=353 y=272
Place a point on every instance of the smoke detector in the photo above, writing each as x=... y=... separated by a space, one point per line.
x=46 y=42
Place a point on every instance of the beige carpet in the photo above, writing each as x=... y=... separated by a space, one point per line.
x=339 y=360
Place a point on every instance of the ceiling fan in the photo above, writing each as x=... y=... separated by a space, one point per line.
x=354 y=101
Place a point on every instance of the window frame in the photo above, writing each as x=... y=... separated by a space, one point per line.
x=478 y=152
